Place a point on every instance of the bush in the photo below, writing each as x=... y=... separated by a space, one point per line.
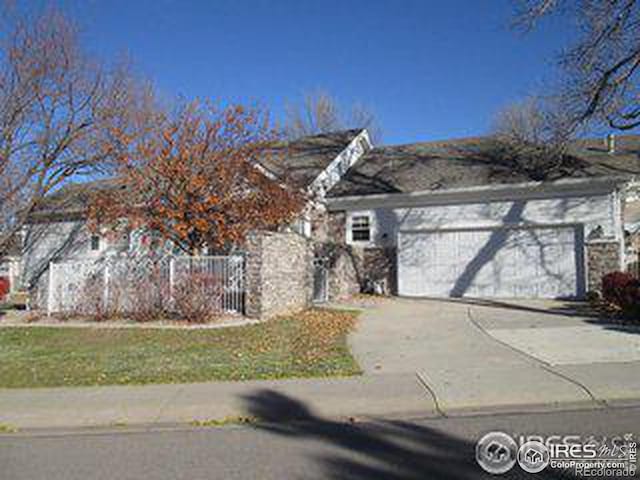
x=4 y=287
x=141 y=291
x=148 y=294
x=197 y=298
x=623 y=291
x=93 y=301
x=593 y=296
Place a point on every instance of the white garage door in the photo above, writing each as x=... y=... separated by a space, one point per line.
x=502 y=262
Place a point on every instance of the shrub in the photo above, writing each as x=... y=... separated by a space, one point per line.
x=4 y=287
x=87 y=300
x=141 y=291
x=593 y=296
x=148 y=295
x=135 y=290
x=197 y=298
x=616 y=286
x=623 y=291
x=92 y=299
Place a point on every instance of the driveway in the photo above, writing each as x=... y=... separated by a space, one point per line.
x=473 y=354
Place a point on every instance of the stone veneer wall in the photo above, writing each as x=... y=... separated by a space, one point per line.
x=379 y=266
x=344 y=264
x=278 y=273
x=602 y=257
x=357 y=266
x=336 y=227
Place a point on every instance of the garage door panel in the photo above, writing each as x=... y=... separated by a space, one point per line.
x=506 y=262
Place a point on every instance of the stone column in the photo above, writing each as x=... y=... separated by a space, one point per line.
x=253 y=275
x=603 y=256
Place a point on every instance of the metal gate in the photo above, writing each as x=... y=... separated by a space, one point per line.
x=114 y=281
x=320 y=280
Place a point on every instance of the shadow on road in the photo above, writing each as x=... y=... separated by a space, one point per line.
x=391 y=449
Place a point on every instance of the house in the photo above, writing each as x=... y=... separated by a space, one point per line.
x=450 y=219
x=58 y=231
x=440 y=219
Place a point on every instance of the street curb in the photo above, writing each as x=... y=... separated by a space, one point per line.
x=451 y=414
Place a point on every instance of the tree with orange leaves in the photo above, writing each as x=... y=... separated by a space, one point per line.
x=196 y=179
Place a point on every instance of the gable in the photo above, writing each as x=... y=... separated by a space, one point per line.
x=301 y=161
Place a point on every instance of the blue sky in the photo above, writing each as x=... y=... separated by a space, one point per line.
x=429 y=69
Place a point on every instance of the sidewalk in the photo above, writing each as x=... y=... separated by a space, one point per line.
x=394 y=394
x=420 y=358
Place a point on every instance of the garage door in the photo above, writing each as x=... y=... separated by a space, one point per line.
x=503 y=262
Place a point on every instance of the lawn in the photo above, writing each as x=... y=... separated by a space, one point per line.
x=310 y=344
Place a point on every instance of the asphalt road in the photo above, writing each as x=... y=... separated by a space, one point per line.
x=313 y=448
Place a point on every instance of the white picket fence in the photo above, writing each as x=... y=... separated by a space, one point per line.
x=118 y=277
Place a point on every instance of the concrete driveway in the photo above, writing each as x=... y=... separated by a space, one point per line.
x=476 y=354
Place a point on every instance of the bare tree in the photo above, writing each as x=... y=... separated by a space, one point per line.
x=320 y=112
x=57 y=108
x=533 y=137
x=601 y=67
x=534 y=121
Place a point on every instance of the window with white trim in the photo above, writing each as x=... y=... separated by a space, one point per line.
x=360 y=228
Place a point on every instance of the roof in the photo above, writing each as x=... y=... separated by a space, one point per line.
x=298 y=161
x=72 y=198
x=477 y=161
x=301 y=161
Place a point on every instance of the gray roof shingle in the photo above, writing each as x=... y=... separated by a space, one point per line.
x=470 y=162
x=298 y=161
x=301 y=161
x=71 y=199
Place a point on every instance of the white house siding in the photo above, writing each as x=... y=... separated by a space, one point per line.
x=57 y=241
x=590 y=219
x=591 y=211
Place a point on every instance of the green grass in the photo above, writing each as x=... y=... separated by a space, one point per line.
x=307 y=345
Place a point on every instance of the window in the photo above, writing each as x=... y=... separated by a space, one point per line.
x=95 y=243
x=302 y=226
x=360 y=228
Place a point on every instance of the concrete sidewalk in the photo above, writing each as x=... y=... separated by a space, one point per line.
x=394 y=394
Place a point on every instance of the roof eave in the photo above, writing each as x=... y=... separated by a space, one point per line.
x=482 y=192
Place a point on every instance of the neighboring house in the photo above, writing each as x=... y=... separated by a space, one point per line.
x=57 y=231
x=446 y=219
